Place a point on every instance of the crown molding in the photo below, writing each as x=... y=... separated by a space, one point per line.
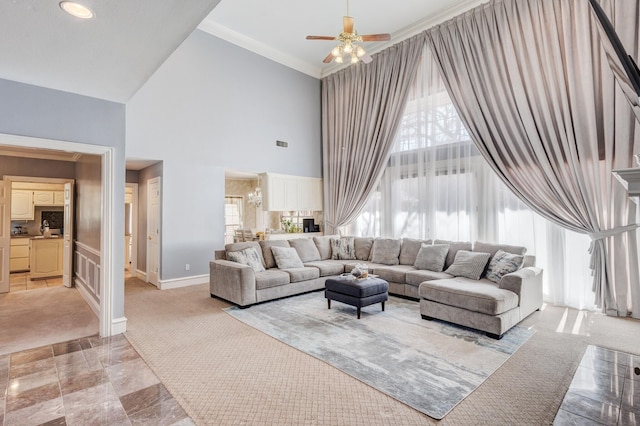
x=259 y=48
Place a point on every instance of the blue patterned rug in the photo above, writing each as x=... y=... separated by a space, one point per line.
x=428 y=365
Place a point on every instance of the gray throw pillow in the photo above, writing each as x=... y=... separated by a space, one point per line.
x=286 y=257
x=468 y=264
x=454 y=246
x=363 y=247
x=343 y=248
x=386 y=251
x=323 y=245
x=267 y=254
x=432 y=257
x=503 y=263
x=409 y=250
x=306 y=249
x=249 y=256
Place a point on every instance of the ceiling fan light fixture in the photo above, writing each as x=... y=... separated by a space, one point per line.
x=354 y=59
x=360 y=52
x=348 y=48
x=339 y=59
x=337 y=51
x=76 y=9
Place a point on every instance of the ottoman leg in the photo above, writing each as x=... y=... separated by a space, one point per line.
x=359 y=312
x=328 y=303
x=382 y=306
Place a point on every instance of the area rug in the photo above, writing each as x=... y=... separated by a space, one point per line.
x=428 y=365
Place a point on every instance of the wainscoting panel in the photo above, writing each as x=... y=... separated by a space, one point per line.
x=86 y=274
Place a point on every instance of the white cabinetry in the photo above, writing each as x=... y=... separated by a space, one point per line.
x=19 y=255
x=58 y=198
x=21 y=205
x=291 y=193
x=46 y=257
x=43 y=198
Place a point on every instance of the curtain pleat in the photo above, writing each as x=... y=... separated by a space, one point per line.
x=533 y=86
x=361 y=108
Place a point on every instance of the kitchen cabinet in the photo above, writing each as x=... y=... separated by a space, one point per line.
x=43 y=198
x=21 y=205
x=46 y=257
x=19 y=255
x=291 y=193
x=58 y=198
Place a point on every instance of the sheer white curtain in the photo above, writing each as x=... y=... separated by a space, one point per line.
x=437 y=185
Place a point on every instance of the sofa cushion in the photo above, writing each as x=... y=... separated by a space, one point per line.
x=409 y=250
x=323 y=244
x=233 y=247
x=432 y=257
x=478 y=296
x=418 y=276
x=267 y=255
x=303 y=274
x=327 y=267
x=503 y=263
x=396 y=273
x=306 y=248
x=271 y=278
x=468 y=264
x=343 y=248
x=363 y=248
x=492 y=249
x=386 y=251
x=286 y=257
x=249 y=256
x=454 y=246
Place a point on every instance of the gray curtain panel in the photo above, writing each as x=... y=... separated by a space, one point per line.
x=361 y=110
x=532 y=84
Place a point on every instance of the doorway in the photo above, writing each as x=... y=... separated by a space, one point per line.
x=153 y=231
x=131 y=230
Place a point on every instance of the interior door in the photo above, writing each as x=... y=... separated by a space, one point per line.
x=5 y=234
x=153 y=231
x=67 y=257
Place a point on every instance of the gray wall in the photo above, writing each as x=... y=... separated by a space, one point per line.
x=18 y=166
x=211 y=106
x=143 y=176
x=39 y=112
x=88 y=202
x=132 y=176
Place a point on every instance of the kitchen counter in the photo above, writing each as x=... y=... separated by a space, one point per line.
x=35 y=237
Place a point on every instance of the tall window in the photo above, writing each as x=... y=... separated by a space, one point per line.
x=437 y=186
x=233 y=216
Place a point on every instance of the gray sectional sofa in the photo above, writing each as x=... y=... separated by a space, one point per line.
x=489 y=303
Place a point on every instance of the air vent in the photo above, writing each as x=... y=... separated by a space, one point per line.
x=282 y=144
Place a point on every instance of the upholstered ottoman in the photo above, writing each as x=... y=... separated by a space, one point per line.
x=358 y=293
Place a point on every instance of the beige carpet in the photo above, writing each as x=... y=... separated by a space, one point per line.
x=35 y=318
x=225 y=372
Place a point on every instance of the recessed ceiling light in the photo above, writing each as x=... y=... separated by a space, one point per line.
x=77 y=10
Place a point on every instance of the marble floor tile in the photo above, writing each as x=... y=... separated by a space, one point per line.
x=565 y=418
x=631 y=395
x=33 y=285
x=608 y=367
x=629 y=418
x=131 y=376
x=89 y=381
x=608 y=355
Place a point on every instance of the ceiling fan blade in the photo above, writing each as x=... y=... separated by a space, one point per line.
x=366 y=58
x=376 y=37
x=328 y=59
x=312 y=37
x=347 y=22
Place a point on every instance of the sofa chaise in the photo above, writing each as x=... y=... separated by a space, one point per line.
x=454 y=281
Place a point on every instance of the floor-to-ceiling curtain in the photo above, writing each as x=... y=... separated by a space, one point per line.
x=361 y=106
x=436 y=185
x=536 y=93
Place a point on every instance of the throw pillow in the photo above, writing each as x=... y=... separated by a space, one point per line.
x=454 y=246
x=286 y=257
x=432 y=257
x=363 y=247
x=267 y=254
x=468 y=264
x=409 y=250
x=249 y=257
x=386 y=251
x=503 y=263
x=306 y=249
x=343 y=248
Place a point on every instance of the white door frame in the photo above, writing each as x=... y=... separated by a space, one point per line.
x=107 y=247
x=158 y=231
x=134 y=228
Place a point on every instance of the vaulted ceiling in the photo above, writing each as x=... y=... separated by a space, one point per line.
x=112 y=55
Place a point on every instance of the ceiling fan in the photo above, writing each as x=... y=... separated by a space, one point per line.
x=349 y=40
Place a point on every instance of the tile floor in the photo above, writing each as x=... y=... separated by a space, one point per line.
x=605 y=390
x=20 y=281
x=96 y=381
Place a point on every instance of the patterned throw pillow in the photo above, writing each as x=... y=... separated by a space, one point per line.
x=343 y=248
x=249 y=257
x=468 y=264
x=503 y=263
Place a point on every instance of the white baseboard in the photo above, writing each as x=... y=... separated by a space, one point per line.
x=183 y=282
x=142 y=275
x=118 y=325
x=93 y=304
